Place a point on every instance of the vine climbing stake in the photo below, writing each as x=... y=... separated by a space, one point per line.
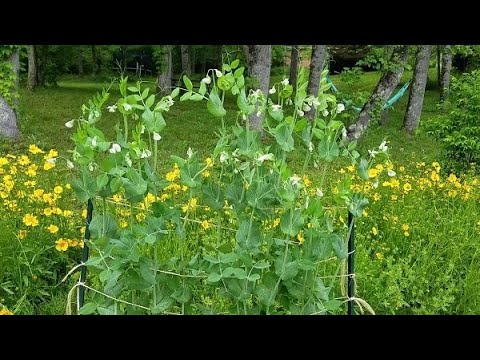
x=351 y=263
x=83 y=272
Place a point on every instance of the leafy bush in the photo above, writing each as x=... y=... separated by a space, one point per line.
x=460 y=130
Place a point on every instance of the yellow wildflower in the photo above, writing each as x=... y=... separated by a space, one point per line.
x=405 y=227
x=30 y=220
x=209 y=162
x=34 y=149
x=53 y=229
x=374 y=231
x=307 y=181
x=379 y=256
x=452 y=178
x=22 y=234
x=341 y=171
x=434 y=176
x=300 y=238
x=58 y=189
x=394 y=197
x=23 y=160
x=206 y=174
x=205 y=224
x=351 y=168
x=5 y=311
x=61 y=245
x=407 y=187
x=373 y=173
x=48 y=165
x=192 y=205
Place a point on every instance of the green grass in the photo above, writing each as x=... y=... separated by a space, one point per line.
x=44 y=112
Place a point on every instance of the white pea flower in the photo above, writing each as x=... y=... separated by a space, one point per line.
x=391 y=173
x=340 y=108
x=259 y=113
x=276 y=107
x=112 y=108
x=207 y=80
x=70 y=164
x=223 y=157
x=325 y=113
x=127 y=107
x=244 y=117
x=69 y=124
x=375 y=184
x=301 y=113
x=145 y=154
x=344 y=133
x=295 y=180
x=288 y=102
x=383 y=146
x=170 y=101
x=315 y=102
x=94 y=141
x=52 y=161
x=114 y=149
x=91 y=167
x=372 y=153
x=285 y=82
x=142 y=129
x=189 y=152
x=264 y=157
x=310 y=146
x=156 y=136
x=319 y=192
x=218 y=73
x=306 y=107
x=272 y=90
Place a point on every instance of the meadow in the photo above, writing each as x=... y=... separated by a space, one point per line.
x=416 y=241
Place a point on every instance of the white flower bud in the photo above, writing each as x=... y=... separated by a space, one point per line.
x=115 y=149
x=340 y=108
x=69 y=124
x=218 y=73
x=156 y=136
x=70 y=164
x=207 y=80
x=272 y=90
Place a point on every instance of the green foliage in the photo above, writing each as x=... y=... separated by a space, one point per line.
x=460 y=130
x=252 y=254
x=8 y=78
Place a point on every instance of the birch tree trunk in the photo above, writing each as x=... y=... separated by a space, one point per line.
x=32 y=68
x=294 y=66
x=446 y=68
x=164 y=81
x=316 y=66
x=385 y=86
x=417 y=88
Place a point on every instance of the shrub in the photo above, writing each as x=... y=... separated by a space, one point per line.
x=460 y=130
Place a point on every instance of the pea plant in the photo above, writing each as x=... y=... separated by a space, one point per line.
x=239 y=232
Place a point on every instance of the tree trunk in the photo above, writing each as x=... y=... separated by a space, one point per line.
x=316 y=67
x=8 y=121
x=294 y=66
x=32 y=68
x=203 y=68
x=446 y=68
x=164 y=81
x=385 y=86
x=42 y=55
x=94 y=61
x=80 y=64
x=219 y=57
x=260 y=62
x=417 y=89
x=439 y=67
x=186 y=59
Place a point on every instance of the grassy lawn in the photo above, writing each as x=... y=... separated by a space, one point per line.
x=443 y=229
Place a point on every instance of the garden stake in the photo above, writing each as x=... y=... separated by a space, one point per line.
x=351 y=263
x=83 y=272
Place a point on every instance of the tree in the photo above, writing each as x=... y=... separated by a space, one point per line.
x=417 y=89
x=388 y=82
x=259 y=58
x=446 y=68
x=163 y=57
x=294 y=59
x=186 y=51
x=316 y=67
x=9 y=68
x=32 y=68
x=95 y=64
